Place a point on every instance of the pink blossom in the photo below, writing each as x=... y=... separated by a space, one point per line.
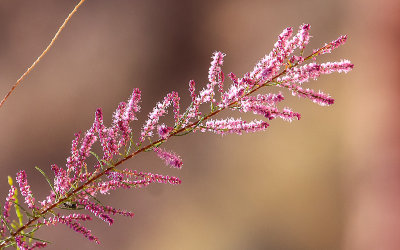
x=175 y=103
x=74 y=158
x=97 y=210
x=192 y=88
x=215 y=77
x=233 y=126
x=25 y=189
x=332 y=45
x=107 y=136
x=150 y=177
x=105 y=186
x=133 y=106
x=21 y=244
x=288 y=115
x=49 y=200
x=312 y=70
x=163 y=130
x=234 y=78
x=269 y=65
x=269 y=99
x=159 y=110
x=113 y=211
x=343 y=66
x=234 y=93
x=318 y=98
x=71 y=222
x=38 y=244
x=171 y=159
x=300 y=40
x=10 y=199
x=62 y=182
x=215 y=74
x=51 y=221
x=88 y=140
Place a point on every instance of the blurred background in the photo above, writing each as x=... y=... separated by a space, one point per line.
x=328 y=181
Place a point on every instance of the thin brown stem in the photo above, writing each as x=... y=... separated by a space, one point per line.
x=43 y=53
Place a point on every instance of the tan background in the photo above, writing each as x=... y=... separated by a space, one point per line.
x=329 y=181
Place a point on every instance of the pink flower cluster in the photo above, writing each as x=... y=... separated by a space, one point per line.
x=127 y=179
x=169 y=158
x=234 y=126
x=331 y=46
x=22 y=245
x=71 y=221
x=158 y=111
x=10 y=199
x=25 y=189
x=215 y=74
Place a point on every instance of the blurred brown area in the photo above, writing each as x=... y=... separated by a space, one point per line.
x=328 y=181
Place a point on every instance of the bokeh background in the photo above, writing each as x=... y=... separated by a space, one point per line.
x=328 y=181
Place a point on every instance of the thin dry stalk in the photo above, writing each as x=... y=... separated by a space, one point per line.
x=43 y=53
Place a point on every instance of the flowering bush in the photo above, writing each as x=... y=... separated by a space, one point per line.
x=79 y=184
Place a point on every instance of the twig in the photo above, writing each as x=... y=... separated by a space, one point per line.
x=43 y=53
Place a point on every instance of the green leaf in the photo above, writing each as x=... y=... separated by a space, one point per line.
x=98 y=159
x=27 y=235
x=191 y=129
x=48 y=180
x=11 y=244
x=128 y=150
x=94 y=198
x=27 y=213
x=5 y=223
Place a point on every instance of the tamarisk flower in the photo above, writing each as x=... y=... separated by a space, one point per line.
x=74 y=158
x=159 y=110
x=169 y=158
x=192 y=88
x=70 y=221
x=164 y=131
x=25 y=189
x=106 y=186
x=20 y=243
x=331 y=46
x=9 y=201
x=304 y=73
x=62 y=182
x=77 y=185
x=54 y=220
x=127 y=173
x=38 y=244
x=270 y=99
x=233 y=126
x=127 y=179
x=207 y=94
x=265 y=105
x=97 y=210
x=267 y=67
x=215 y=74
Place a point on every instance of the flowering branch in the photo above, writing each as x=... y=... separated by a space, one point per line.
x=78 y=185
